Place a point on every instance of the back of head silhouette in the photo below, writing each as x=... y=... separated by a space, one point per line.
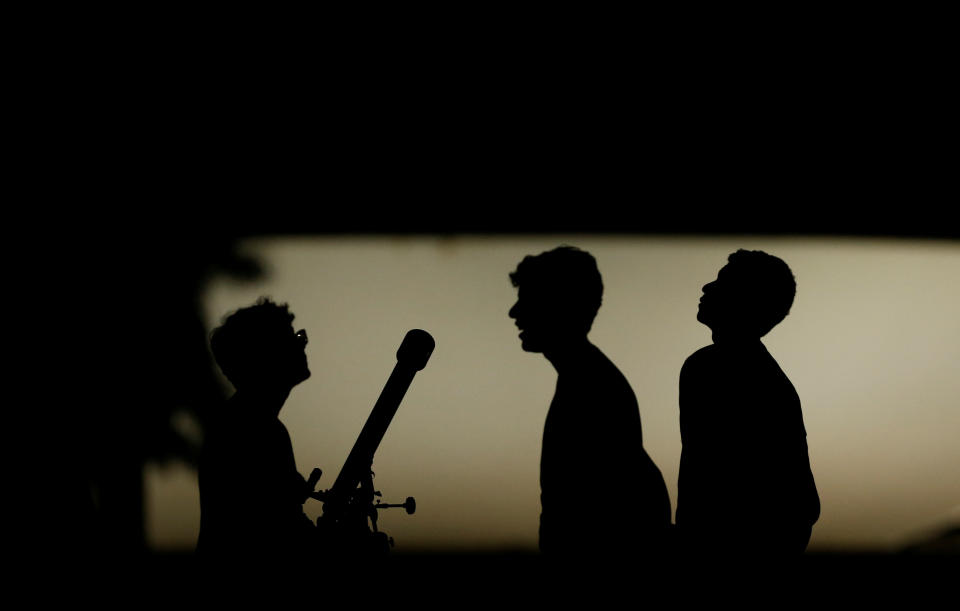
x=559 y=293
x=750 y=296
x=257 y=348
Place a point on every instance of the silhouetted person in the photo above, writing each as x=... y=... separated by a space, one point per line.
x=745 y=483
x=251 y=494
x=600 y=492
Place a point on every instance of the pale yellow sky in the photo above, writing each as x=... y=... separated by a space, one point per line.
x=871 y=345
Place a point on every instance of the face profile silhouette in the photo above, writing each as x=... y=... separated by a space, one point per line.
x=257 y=348
x=538 y=324
x=558 y=295
x=750 y=296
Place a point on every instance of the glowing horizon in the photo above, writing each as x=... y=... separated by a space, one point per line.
x=871 y=345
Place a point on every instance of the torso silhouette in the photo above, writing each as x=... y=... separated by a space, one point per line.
x=600 y=491
x=251 y=493
x=745 y=480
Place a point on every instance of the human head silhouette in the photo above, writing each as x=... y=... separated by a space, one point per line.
x=750 y=296
x=257 y=348
x=558 y=295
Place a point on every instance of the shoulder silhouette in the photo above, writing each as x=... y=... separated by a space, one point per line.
x=600 y=491
x=745 y=480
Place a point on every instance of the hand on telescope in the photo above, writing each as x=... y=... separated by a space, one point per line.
x=311 y=484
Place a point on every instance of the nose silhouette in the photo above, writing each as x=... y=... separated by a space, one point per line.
x=513 y=311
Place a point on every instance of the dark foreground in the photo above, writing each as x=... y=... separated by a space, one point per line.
x=433 y=580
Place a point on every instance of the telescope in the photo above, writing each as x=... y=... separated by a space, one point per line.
x=348 y=524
